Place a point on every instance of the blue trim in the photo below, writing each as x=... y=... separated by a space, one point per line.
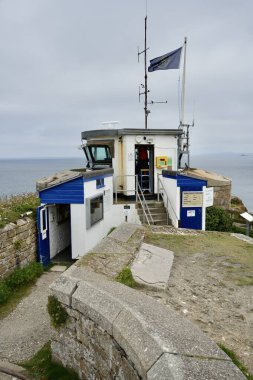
x=43 y=244
x=183 y=180
x=100 y=182
x=71 y=192
x=97 y=177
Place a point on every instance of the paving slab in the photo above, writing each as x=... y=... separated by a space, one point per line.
x=152 y=266
x=124 y=232
x=58 y=268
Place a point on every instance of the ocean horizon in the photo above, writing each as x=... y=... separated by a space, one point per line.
x=18 y=176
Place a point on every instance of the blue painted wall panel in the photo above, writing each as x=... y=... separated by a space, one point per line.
x=71 y=192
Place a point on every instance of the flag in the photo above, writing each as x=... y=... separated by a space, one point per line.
x=167 y=61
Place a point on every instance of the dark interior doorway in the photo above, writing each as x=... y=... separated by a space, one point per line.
x=60 y=233
x=144 y=167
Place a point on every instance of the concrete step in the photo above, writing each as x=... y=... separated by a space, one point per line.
x=153 y=210
x=161 y=215
x=151 y=204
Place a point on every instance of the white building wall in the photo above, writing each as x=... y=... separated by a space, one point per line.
x=78 y=229
x=83 y=238
x=173 y=193
x=163 y=146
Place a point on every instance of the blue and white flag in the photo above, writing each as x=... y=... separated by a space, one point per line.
x=167 y=61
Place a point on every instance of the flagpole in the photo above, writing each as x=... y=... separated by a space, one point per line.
x=183 y=83
x=146 y=76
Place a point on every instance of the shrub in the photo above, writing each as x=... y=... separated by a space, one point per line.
x=42 y=367
x=4 y=292
x=19 y=278
x=12 y=207
x=24 y=276
x=58 y=314
x=125 y=277
x=218 y=219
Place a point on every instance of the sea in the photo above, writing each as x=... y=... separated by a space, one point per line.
x=18 y=176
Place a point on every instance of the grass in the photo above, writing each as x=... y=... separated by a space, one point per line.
x=236 y=361
x=237 y=253
x=11 y=208
x=16 y=285
x=58 y=314
x=125 y=277
x=42 y=367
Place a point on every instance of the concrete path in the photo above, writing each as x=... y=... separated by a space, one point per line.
x=152 y=266
x=27 y=328
x=115 y=251
x=124 y=232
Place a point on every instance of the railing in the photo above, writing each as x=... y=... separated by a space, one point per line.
x=124 y=190
x=143 y=202
x=138 y=194
x=171 y=213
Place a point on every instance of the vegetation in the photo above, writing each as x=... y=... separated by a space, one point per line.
x=18 y=279
x=42 y=367
x=11 y=208
x=58 y=314
x=125 y=277
x=236 y=361
x=110 y=230
x=218 y=219
x=237 y=254
x=241 y=230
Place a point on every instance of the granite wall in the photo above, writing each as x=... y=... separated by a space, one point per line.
x=114 y=332
x=18 y=245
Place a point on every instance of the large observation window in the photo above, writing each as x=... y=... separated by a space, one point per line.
x=98 y=155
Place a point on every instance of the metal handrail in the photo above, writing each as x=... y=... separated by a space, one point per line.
x=167 y=198
x=123 y=190
x=143 y=202
x=138 y=193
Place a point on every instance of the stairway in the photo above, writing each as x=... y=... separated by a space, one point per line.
x=157 y=210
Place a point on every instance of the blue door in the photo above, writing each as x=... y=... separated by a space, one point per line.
x=43 y=235
x=191 y=216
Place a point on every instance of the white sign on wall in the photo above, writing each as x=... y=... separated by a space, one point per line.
x=192 y=199
x=190 y=213
x=209 y=197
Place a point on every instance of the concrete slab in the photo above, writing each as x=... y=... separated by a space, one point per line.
x=178 y=367
x=124 y=232
x=152 y=266
x=248 y=239
x=58 y=268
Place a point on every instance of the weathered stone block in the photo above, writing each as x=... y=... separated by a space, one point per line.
x=63 y=288
x=96 y=305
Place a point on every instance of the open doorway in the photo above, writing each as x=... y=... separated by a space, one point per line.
x=60 y=233
x=144 y=167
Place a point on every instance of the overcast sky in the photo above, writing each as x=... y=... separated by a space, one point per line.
x=68 y=65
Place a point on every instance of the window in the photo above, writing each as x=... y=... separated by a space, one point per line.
x=100 y=153
x=43 y=220
x=94 y=210
x=100 y=182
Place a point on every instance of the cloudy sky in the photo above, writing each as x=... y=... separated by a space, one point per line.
x=68 y=65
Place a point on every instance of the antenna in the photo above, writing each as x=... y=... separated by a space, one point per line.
x=145 y=86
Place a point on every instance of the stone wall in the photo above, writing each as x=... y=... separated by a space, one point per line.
x=18 y=245
x=114 y=332
x=222 y=196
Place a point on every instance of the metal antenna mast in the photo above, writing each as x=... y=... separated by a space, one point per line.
x=145 y=86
